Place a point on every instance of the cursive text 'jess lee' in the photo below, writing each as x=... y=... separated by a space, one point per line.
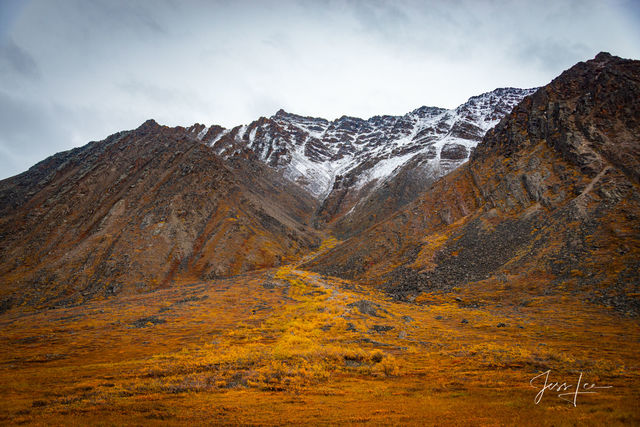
x=567 y=390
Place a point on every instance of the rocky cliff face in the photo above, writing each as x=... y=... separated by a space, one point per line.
x=139 y=210
x=551 y=196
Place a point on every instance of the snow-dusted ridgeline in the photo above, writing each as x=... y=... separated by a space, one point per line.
x=314 y=151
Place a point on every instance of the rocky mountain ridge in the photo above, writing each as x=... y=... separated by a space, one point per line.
x=315 y=152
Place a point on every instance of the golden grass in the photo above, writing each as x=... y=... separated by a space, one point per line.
x=285 y=346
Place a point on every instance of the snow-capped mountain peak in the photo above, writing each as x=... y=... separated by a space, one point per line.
x=314 y=151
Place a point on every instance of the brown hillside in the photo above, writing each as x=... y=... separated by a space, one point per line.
x=139 y=210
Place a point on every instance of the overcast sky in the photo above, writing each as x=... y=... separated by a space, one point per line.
x=72 y=71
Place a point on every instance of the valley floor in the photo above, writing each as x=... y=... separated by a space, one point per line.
x=287 y=346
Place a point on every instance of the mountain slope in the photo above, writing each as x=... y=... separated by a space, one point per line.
x=550 y=196
x=140 y=210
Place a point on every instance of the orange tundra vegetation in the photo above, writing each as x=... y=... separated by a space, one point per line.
x=290 y=346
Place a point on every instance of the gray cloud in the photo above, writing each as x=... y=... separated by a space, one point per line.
x=73 y=71
x=16 y=61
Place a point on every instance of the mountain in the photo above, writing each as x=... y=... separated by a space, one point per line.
x=140 y=210
x=342 y=162
x=549 y=200
x=149 y=207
